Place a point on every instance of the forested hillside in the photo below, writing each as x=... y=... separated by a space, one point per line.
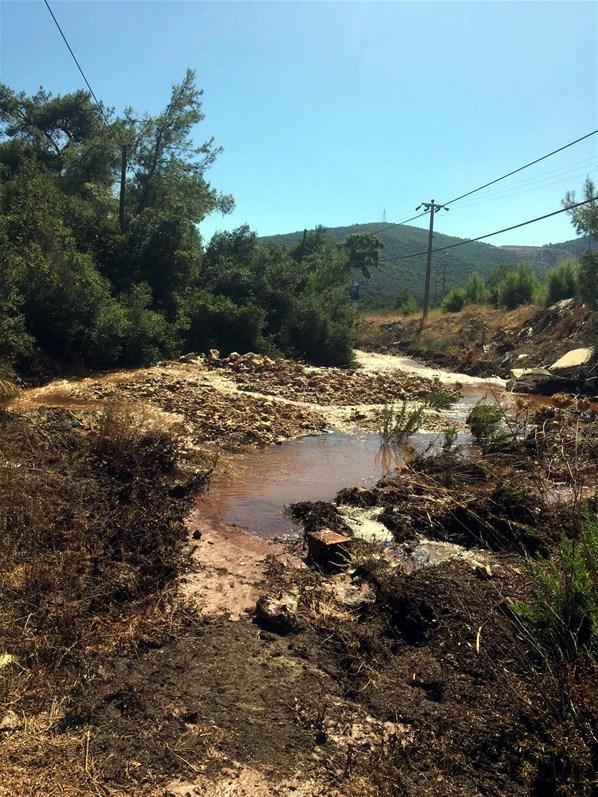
x=394 y=279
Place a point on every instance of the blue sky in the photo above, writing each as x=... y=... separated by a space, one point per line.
x=335 y=112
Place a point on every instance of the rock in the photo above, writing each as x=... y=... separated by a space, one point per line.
x=181 y=788
x=213 y=355
x=571 y=362
x=482 y=570
x=562 y=305
x=277 y=613
x=191 y=357
x=10 y=722
x=525 y=333
x=328 y=549
x=535 y=380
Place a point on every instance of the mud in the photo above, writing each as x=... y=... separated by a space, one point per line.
x=410 y=673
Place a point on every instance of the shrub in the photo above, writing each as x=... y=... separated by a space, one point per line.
x=588 y=278
x=148 y=335
x=395 y=426
x=564 y=604
x=475 y=290
x=453 y=301
x=484 y=421
x=562 y=282
x=494 y=280
x=409 y=305
x=518 y=287
x=440 y=398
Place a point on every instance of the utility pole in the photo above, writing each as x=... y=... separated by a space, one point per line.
x=123 y=179
x=432 y=207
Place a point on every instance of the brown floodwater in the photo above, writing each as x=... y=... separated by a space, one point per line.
x=260 y=485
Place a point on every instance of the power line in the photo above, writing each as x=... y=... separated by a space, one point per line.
x=538 y=186
x=521 y=168
x=490 y=234
x=562 y=171
x=79 y=67
x=492 y=182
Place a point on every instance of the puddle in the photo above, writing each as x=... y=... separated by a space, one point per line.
x=266 y=481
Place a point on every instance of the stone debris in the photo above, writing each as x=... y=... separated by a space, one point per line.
x=277 y=612
x=338 y=386
x=328 y=549
x=10 y=722
x=535 y=380
x=569 y=363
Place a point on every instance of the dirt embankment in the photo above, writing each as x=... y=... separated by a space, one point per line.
x=484 y=341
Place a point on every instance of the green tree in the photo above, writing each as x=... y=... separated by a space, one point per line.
x=518 y=287
x=475 y=290
x=453 y=301
x=562 y=282
x=362 y=250
x=167 y=169
x=585 y=218
x=588 y=278
x=493 y=281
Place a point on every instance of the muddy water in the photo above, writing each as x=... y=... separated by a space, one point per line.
x=261 y=484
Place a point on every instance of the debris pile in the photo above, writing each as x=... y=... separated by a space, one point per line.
x=338 y=386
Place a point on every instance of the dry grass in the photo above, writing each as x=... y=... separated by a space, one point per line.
x=91 y=540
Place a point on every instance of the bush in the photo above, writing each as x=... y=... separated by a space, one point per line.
x=484 y=421
x=588 y=278
x=453 y=301
x=322 y=330
x=564 y=604
x=409 y=305
x=396 y=425
x=148 y=335
x=475 y=290
x=562 y=282
x=217 y=322
x=518 y=287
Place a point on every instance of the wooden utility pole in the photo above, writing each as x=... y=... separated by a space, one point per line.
x=123 y=179
x=432 y=207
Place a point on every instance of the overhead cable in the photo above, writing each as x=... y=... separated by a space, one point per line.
x=490 y=234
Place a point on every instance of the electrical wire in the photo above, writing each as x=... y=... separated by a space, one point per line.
x=562 y=172
x=521 y=168
x=79 y=67
x=490 y=234
x=513 y=194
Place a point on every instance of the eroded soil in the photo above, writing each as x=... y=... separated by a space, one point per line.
x=409 y=673
x=484 y=341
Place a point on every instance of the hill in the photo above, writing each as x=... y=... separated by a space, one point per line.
x=396 y=277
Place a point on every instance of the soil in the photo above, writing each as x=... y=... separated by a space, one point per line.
x=410 y=673
x=247 y=401
x=483 y=341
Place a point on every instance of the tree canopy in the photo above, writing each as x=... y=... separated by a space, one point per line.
x=79 y=288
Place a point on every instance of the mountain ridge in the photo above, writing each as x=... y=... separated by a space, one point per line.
x=400 y=276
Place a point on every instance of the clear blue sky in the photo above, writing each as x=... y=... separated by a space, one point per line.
x=334 y=112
